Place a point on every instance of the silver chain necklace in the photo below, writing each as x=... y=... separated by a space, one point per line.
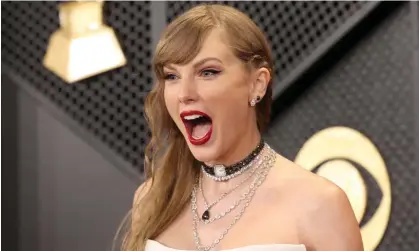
x=205 y=218
x=219 y=172
x=268 y=163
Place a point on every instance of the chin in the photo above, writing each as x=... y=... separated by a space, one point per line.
x=207 y=152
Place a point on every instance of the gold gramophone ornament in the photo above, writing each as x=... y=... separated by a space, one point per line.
x=83 y=46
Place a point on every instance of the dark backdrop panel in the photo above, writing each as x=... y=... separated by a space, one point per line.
x=109 y=105
x=10 y=182
x=295 y=30
x=369 y=90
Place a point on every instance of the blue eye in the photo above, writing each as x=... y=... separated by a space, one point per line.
x=170 y=76
x=210 y=72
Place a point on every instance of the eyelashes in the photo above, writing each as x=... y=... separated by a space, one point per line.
x=211 y=72
x=169 y=76
x=206 y=73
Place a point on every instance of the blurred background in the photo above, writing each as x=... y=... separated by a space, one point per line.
x=74 y=77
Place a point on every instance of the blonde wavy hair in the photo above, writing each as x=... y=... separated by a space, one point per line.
x=170 y=168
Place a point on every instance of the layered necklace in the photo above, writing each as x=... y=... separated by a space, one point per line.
x=221 y=172
x=259 y=163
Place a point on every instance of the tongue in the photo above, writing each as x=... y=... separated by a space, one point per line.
x=200 y=130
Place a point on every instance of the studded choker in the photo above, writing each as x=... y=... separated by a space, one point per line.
x=220 y=172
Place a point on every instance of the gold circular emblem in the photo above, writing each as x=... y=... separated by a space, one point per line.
x=329 y=151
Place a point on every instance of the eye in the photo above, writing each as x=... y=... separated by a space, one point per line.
x=169 y=76
x=209 y=72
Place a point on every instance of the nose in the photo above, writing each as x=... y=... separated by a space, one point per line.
x=187 y=91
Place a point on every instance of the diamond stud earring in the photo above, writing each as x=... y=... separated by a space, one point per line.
x=253 y=102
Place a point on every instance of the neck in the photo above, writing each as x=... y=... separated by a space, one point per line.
x=237 y=152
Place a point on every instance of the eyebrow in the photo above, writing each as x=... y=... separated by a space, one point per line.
x=199 y=63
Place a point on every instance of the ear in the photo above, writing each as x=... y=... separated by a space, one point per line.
x=261 y=78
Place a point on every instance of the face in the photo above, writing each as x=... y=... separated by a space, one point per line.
x=208 y=99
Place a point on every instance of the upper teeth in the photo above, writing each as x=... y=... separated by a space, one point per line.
x=190 y=117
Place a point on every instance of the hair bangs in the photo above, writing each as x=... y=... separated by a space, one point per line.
x=182 y=44
x=168 y=163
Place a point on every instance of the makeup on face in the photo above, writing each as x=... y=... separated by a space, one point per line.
x=198 y=126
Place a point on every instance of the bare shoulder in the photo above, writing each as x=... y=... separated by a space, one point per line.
x=324 y=215
x=302 y=182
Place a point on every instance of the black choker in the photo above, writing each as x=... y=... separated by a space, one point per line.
x=222 y=173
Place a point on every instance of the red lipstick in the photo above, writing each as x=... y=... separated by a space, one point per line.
x=190 y=123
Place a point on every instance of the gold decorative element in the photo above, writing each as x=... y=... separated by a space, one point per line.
x=338 y=144
x=83 y=46
x=347 y=177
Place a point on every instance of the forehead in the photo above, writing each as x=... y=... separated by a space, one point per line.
x=215 y=45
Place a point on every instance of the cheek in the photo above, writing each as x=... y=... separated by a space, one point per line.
x=229 y=90
x=170 y=101
x=232 y=104
x=237 y=105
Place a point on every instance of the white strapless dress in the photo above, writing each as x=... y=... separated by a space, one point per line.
x=152 y=245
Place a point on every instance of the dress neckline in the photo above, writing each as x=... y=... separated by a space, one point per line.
x=278 y=245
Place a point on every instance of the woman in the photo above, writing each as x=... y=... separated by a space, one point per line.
x=212 y=182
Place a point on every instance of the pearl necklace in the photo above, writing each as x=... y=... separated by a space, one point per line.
x=268 y=162
x=221 y=172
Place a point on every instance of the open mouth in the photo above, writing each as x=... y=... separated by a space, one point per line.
x=198 y=126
